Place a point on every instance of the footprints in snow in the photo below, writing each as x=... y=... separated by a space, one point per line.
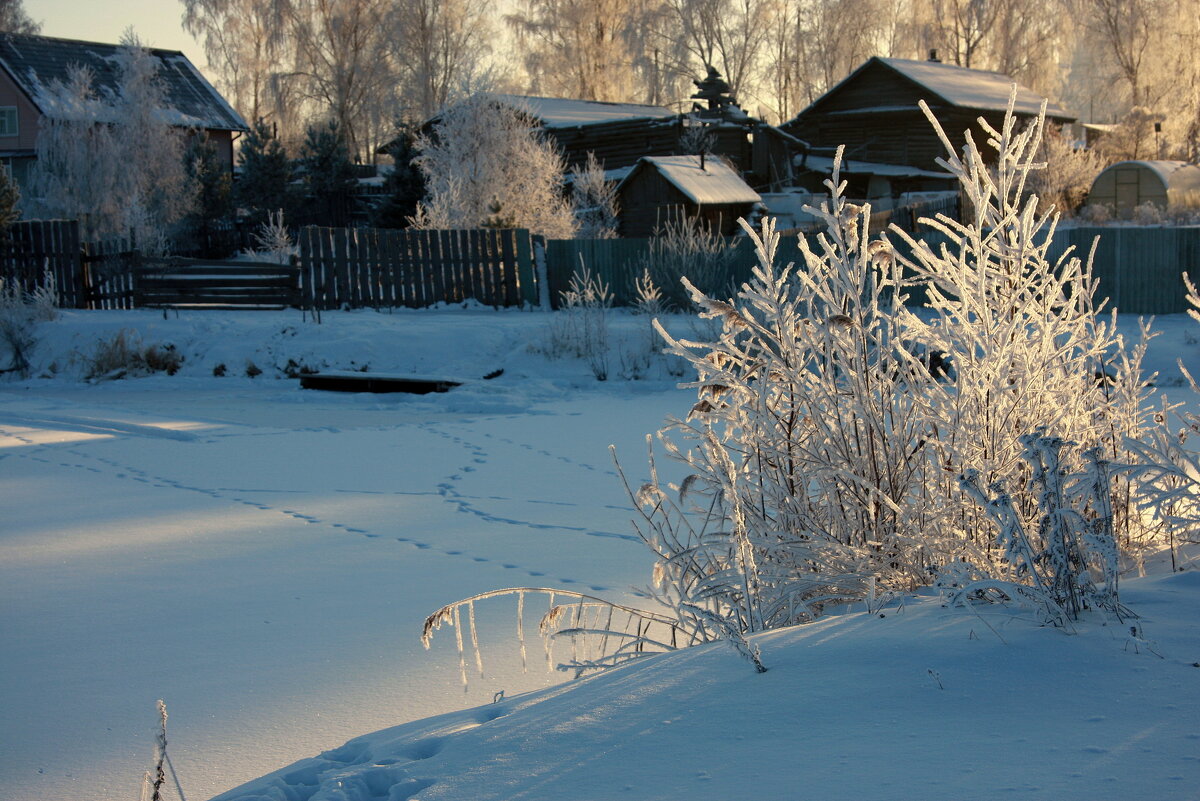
x=446 y=490
x=358 y=773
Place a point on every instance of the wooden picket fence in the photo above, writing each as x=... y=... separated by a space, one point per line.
x=377 y=268
x=36 y=248
x=1138 y=269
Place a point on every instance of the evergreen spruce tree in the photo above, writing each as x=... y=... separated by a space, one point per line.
x=264 y=185
x=404 y=186
x=329 y=181
x=212 y=183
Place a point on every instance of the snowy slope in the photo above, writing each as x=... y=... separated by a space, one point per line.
x=919 y=701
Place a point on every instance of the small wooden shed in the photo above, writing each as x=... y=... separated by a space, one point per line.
x=1128 y=184
x=661 y=188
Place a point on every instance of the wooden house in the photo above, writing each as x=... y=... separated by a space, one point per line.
x=660 y=188
x=621 y=133
x=29 y=65
x=890 y=147
x=618 y=133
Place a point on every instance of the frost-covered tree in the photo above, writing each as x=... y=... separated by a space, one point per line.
x=729 y=35
x=1068 y=173
x=483 y=152
x=440 y=46
x=342 y=56
x=587 y=49
x=248 y=47
x=13 y=18
x=1133 y=137
x=595 y=201
x=114 y=161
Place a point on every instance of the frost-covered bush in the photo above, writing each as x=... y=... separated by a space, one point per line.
x=273 y=240
x=1096 y=214
x=1029 y=345
x=1166 y=465
x=684 y=246
x=20 y=312
x=595 y=200
x=805 y=447
x=832 y=424
x=17 y=324
x=580 y=327
x=1148 y=213
x=123 y=354
x=1069 y=562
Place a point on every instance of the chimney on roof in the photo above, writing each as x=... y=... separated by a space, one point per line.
x=933 y=57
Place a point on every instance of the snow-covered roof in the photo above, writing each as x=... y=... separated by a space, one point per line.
x=35 y=62
x=561 y=112
x=971 y=88
x=824 y=164
x=716 y=183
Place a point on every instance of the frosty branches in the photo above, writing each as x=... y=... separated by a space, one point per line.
x=484 y=158
x=115 y=162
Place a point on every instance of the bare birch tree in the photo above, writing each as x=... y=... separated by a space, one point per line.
x=247 y=45
x=592 y=49
x=440 y=47
x=342 y=52
x=730 y=35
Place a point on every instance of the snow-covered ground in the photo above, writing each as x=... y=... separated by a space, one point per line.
x=261 y=557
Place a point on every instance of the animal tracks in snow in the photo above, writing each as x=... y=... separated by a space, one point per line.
x=79 y=456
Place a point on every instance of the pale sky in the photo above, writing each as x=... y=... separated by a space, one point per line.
x=157 y=22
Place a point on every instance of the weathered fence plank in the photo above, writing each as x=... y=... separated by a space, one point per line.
x=1138 y=270
x=35 y=248
x=199 y=283
x=362 y=267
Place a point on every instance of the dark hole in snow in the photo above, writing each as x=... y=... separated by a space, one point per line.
x=365 y=382
x=377 y=382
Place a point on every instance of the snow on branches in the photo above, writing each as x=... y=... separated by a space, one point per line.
x=485 y=162
x=111 y=160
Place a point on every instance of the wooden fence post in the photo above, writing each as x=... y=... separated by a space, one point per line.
x=526 y=282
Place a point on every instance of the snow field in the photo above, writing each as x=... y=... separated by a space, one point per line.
x=262 y=558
